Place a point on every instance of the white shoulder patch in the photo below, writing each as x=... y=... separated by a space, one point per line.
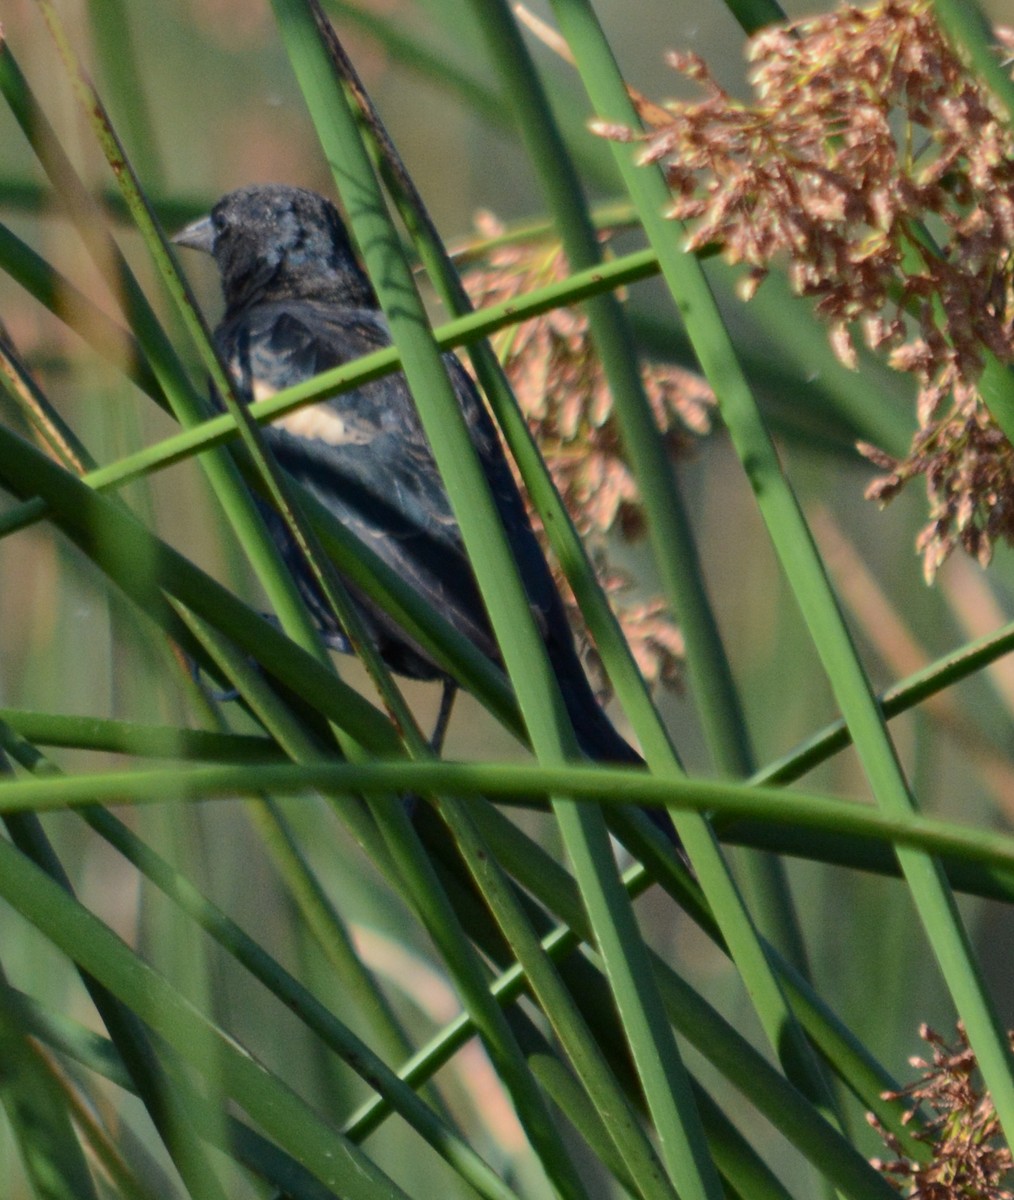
x=323 y=423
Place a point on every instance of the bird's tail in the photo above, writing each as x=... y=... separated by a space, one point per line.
x=602 y=742
x=597 y=736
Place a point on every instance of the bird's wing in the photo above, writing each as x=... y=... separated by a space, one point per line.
x=365 y=455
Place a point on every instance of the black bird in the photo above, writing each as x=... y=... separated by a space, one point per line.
x=297 y=303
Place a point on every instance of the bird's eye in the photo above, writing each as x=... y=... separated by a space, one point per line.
x=218 y=221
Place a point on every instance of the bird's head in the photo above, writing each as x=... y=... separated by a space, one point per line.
x=272 y=240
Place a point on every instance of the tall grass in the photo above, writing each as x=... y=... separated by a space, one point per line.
x=234 y=961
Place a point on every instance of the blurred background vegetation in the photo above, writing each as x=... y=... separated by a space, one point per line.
x=205 y=100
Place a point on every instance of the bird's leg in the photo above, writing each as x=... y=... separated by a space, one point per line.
x=449 y=689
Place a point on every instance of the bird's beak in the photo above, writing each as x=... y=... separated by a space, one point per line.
x=198 y=235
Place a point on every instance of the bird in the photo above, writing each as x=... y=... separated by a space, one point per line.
x=298 y=302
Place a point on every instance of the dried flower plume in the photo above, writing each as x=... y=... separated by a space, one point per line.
x=874 y=165
x=564 y=394
x=970 y=1159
